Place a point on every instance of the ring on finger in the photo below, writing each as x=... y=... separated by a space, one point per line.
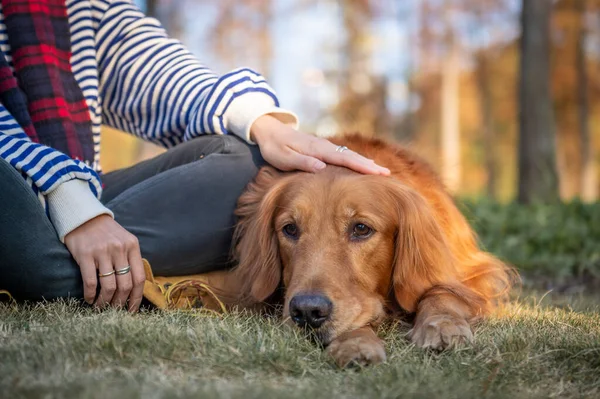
x=106 y=274
x=341 y=148
x=122 y=271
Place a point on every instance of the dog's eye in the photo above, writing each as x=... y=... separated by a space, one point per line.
x=291 y=230
x=361 y=230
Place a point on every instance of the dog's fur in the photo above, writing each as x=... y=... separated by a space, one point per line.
x=421 y=258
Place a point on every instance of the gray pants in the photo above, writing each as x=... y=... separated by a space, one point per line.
x=179 y=205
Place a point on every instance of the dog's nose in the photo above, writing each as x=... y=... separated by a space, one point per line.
x=311 y=310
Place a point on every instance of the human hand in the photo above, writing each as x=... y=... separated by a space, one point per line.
x=288 y=149
x=100 y=247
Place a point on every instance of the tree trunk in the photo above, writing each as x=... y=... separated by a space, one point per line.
x=450 y=118
x=538 y=180
x=589 y=178
x=487 y=123
x=152 y=8
x=482 y=10
x=362 y=105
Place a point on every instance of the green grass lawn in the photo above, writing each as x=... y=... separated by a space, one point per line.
x=536 y=347
x=539 y=346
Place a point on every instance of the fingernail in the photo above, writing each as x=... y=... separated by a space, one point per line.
x=320 y=165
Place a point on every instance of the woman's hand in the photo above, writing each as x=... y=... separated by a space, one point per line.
x=100 y=247
x=288 y=149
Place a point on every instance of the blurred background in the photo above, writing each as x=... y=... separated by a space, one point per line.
x=502 y=96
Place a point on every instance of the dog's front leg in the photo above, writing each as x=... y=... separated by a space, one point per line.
x=442 y=321
x=359 y=347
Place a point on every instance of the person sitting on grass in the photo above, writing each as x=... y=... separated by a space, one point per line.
x=66 y=67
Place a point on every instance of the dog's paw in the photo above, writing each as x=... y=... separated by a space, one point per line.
x=357 y=350
x=441 y=332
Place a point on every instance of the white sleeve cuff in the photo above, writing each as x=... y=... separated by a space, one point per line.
x=72 y=204
x=247 y=108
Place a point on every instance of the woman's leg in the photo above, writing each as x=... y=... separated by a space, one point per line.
x=34 y=264
x=180 y=204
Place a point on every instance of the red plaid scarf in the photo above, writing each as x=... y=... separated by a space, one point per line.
x=42 y=94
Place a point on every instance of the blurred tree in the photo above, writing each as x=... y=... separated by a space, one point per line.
x=483 y=56
x=405 y=125
x=362 y=105
x=571 y=81
x=565 y=27
x=151 y=8
x=482 y=71
x=589 y=176
x=450 y=105
x=504 y=91
x=538 y=180
x=425 y=83
x=454 y=34
x=241 y=33
x=435 y=82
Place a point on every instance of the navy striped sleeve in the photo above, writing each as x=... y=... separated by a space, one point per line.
x=153 y=87
x=44 y=167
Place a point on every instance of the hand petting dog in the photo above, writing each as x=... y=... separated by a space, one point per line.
x=288 y=149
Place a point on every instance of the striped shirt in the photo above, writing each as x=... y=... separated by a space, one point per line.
x=136 y=79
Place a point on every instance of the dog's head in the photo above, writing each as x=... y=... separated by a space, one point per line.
x=342 y=245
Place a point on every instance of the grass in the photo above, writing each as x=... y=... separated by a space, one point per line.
x=536 y=347
x=539 y=346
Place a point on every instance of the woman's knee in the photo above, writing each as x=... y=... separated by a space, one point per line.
x=235 y=145
x=231 y=168
x=43 y=276
x=34 y=263
x=203 y=146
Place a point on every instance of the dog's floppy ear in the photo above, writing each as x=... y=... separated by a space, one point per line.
x=423 y=258
x=255 y=239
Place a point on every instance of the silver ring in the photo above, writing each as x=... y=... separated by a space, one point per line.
x=124 y=270
x=106 y=274
x=341 y=148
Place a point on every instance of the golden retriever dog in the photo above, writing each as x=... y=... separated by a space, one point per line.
x=343 y=251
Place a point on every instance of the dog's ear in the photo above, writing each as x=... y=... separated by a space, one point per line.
x=423 y=258
x=255 y=239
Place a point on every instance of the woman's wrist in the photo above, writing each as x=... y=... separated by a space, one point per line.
x=72 y=204
x=262 y=127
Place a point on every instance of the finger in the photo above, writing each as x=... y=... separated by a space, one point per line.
x=296 y=161
x=361 y=164
x=124 y=283
x=108 y=284
x=354 y=161
x=138 y=277
x=326 y=151
x=89 y=276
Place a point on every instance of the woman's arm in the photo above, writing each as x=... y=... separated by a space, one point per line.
x=153 y=87
x=69 y=188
